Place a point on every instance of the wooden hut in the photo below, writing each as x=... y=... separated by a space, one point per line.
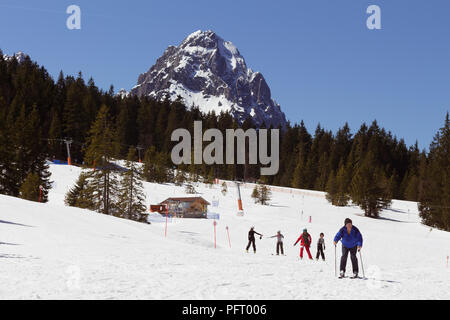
x=186 y=207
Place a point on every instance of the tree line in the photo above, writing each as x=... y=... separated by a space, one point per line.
x=368 y=168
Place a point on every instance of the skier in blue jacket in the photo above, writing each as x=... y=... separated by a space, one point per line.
x=351 y=242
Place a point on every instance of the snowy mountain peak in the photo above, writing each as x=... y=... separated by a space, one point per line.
x=209 y=72
x=19 y=56
x=122 y=93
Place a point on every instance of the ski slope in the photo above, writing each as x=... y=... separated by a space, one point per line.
x=50 y=251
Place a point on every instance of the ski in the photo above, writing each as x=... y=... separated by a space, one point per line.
x=352 y=277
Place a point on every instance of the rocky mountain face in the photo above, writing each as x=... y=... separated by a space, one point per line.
x=209 y=72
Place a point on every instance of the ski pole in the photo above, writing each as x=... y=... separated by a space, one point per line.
x=362 y=265
x=228 y=233
x=335 y=272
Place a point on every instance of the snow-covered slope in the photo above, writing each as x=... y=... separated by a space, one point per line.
x=209 y=72
x=53 y=251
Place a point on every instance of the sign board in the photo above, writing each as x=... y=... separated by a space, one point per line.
x=161 y=208
x=157 y=218
x=212 y=215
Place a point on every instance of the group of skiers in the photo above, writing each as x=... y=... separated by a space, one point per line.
x=349 y=235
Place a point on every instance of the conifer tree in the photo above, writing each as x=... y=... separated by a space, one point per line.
x=210 y=177
x=190 y=188
x=8 y=167
x=412 y=188
x=298 y=180
x=74 y=124
x=131 y=202
x=434 y=206
x=55 y=132
x=255 y=193
x=370 y=187
x=122 y=129
x=149 y=165
x=100 y=151
x=180 y=177
x=332 y=189
x=30 y=188
x=163 y=173
x=224 y=189
x=261 y=194
x=193 y=173
x=343 y=180
x=156 y=167
x=79 y=195
x=264 y=194
x=30 y=155
x=394 y=186
x=323 y=172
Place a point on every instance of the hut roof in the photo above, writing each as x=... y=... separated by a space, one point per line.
x=186 y=199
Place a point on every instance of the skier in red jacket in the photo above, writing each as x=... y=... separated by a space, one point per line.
x=305 y=242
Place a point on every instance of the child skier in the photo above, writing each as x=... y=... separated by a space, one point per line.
x=251 y=239
x=320 y=247
x=279 y=237
x=305 y=238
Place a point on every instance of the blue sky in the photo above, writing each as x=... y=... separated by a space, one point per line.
x=318 y=57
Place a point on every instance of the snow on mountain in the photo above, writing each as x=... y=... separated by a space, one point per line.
x=122 y=93
x=50 y=251
x=19 y=56
x=209 y=72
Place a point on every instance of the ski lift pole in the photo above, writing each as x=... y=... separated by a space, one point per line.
x=229 y=241
x=139 y=148
x=239 y=197
x=68 y=143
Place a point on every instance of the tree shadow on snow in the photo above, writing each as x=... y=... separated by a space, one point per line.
x=380 y=280
x=384 y=218
x=189 y=232
x=14 y=223
x=10 y=244
x=11 y=256
x=395 y=210
x=394 y=220
x=277 y=205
